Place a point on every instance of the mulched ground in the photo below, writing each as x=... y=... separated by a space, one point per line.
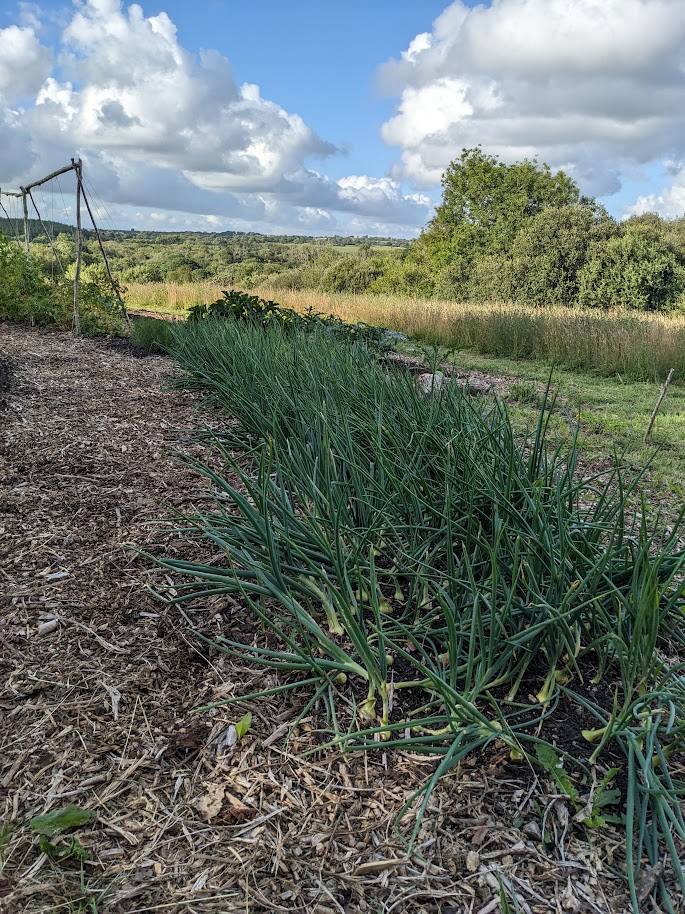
x=99 y=679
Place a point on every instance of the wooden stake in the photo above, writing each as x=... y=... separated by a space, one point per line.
x=658 y=403
x=27 y=240
x=79 y=249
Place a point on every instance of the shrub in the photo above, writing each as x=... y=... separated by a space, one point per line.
x=22 y=284
x=636 y=269
x=27 y=294
x=352 y=274
x=491 y=279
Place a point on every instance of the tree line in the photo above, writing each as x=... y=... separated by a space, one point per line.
x=502 y=232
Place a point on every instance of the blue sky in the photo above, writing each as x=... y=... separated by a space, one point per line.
x=338 y=118
x=316 y=58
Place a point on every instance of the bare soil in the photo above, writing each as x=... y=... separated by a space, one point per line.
x=99 y=680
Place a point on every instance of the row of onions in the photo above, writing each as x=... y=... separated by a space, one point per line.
x=371 y=529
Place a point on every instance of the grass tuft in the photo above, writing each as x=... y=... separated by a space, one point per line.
x=151 y=335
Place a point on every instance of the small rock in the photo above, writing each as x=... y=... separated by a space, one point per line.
x=475 y=386
x=532 y=830
x=47 y=628
x=430 y=383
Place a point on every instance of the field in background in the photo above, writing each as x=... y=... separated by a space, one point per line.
x=631 y=345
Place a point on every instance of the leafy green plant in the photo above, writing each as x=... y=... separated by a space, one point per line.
x=27 y=294
x=259 y=312
x=243 y=725
x=23 y=289
x=55 y=823
x=240 y=305
x=66 y=848
x=376 y=527
x=60 y=820
x=589 y=812
x=524 y=392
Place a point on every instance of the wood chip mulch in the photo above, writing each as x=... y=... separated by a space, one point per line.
x=99 y=679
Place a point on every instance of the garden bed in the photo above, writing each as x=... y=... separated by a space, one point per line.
x=100 y=681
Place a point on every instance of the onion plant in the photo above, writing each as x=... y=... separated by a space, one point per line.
x=370 y=527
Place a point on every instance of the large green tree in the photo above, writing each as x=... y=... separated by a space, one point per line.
x=485 y=203
x=543 y=264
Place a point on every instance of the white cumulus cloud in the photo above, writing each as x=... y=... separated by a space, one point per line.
x=589 y=85
x=162 y=128
x=24 y=62
x=669 y=201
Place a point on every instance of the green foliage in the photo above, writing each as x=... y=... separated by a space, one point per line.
x=63 y=851
x=495 y=199
x=519 y=233
x=554 y=766
x=408 y=274
x=258 y=312
x=515 y=233
x=524 y=392
x=21 y=283
x=28 y=294
x=352 y=273
x=61 y=819
x=56 y=822
x=151 y=335
x=243 y=307
x=491 y=278
x=243 y=725
x=636 y=268
x=485 y=203
x=549 y=252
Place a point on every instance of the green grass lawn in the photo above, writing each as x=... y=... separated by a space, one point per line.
x=613 y=414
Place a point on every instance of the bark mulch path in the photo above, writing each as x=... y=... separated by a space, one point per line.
x=98 y=682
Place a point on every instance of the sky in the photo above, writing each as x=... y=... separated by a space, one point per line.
x=324 y=118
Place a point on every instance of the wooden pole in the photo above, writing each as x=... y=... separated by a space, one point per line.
x=60 y=171
x=115 y=287
x=76 y=166
x=27 y=239
x=79 y=249
x=658 y=403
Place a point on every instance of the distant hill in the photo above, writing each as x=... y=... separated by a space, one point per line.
x=12 y=229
